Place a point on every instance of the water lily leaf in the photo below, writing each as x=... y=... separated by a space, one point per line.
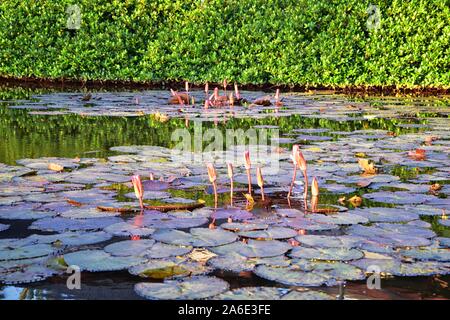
x=328 y=241
x=424 y=210
x=129 y=247
x=168 y=222
x=252 y=293
x=75 y=238
x=25 y=271
x=396 y=268
x=386 y=214
x=272 y=233
x=291 y=276
x=386 y=237
x=59 y=224
x=444 y=222
x=309 y=224
x=307 y=295
x=406 y=229
x=161 y=250
x=26 y=252
x=235 y=214
x=254 y=248
x=24 y=212
x=150 y=195
x=7 y=201
x=236 y=226
x=332 y=270
x=124 y=229
x=200 y=287
x=444 y=242
x=339 y=219
x=87 y=213
x=3 y=227
x=198 y=237
x=235 y=262
x=169 y=268
x=328 y=254
x=400 y=197
x=98 y=260
x=435 y=254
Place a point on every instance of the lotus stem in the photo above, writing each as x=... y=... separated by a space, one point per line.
x=293 y=181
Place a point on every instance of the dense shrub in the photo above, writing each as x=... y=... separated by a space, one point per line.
x=302 y=42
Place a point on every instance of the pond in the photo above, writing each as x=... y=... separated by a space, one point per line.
x=377 y=229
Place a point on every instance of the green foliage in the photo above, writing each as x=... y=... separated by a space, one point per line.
x=294 y=42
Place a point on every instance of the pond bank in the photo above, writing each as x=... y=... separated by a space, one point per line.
x=41 y=83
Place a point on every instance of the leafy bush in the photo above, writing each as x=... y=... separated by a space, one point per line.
x=293 y=42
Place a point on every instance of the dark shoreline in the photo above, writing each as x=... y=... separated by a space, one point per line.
x=39 y=83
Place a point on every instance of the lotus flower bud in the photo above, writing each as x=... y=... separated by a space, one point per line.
x=137 y=185
x=230 y=170
x=259 y=177
x=314 y=187
x=248 y=164
x=211 y=173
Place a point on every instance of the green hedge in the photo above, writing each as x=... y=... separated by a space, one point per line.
x=292 y=42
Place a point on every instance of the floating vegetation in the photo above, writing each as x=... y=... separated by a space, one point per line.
x=372 y=190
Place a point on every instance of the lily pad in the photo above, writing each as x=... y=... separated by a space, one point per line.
x=169 y=268
x=400 y=197
x=124 y=229
x=237 y=226
x=319 y=241
x=26 y=252
x=200 y=287
x=235 y=262
x=327 y=254
x=162 y=250
x=386 y=214
x=272 y=233
x=291 y=276
x=59 y=224
x=435 y=254
x=343 y=218
x=24 y=212
x=198 y=237
x=3 y=227
x=254 y=248
x=99 y=260
x=129 y=247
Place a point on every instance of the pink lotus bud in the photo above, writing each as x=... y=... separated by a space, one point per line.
x=211 y=173
x=259 y=177
x=236 y=91
x=137 y=184
x=248 y=164
x=277 y=95
x=206 y=88
x=186 y=86
x=230 y=170
x=315 y=187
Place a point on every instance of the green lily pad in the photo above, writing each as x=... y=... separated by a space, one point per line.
x=198 y=237
x=386 y=214
x=435 y=254
x=239 y=226
x=200 y=287
x=162 y=250
x=327 y=254
x=291 y=276
x=328 y=241
x=125 y=229
x=339 y=218
x=237 y=263
x=168 y=268
x=26 y=252
x=254 y=248
x=129 y=247
x=272 y=233
x=3 y=227
x=99 y=260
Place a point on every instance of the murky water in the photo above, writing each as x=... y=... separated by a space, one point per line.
x=334 y=132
